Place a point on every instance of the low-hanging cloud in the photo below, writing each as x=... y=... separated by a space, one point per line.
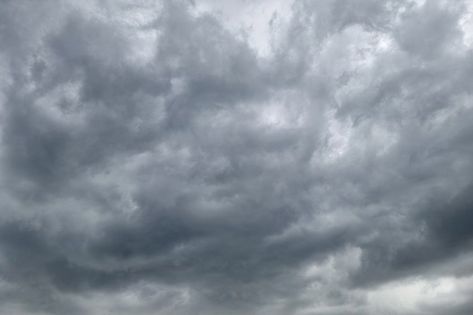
x=195 y=157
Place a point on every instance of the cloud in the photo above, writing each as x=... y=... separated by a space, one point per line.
x=192 y=157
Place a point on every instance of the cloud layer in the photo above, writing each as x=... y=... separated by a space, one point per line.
x=225 y=157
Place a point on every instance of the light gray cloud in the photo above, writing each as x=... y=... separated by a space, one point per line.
x=153 y=158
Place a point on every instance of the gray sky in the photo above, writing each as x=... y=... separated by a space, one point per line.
x=273 y=157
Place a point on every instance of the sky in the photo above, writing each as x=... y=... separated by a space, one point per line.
x=209 y=157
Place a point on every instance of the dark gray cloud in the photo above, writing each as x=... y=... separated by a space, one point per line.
x=202 y=157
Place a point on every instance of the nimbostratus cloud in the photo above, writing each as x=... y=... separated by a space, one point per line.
x=202 y=157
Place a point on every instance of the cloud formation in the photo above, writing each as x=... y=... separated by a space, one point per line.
x=225 y=157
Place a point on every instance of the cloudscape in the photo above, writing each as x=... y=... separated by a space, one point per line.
x=236 y=157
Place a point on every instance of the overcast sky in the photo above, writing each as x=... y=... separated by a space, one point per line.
x=236 y=157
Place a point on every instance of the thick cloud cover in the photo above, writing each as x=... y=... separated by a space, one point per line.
x=236 y=157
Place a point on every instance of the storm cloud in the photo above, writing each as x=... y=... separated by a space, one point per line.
x=236 y=157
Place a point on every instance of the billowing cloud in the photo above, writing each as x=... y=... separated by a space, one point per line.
x=228 y=157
